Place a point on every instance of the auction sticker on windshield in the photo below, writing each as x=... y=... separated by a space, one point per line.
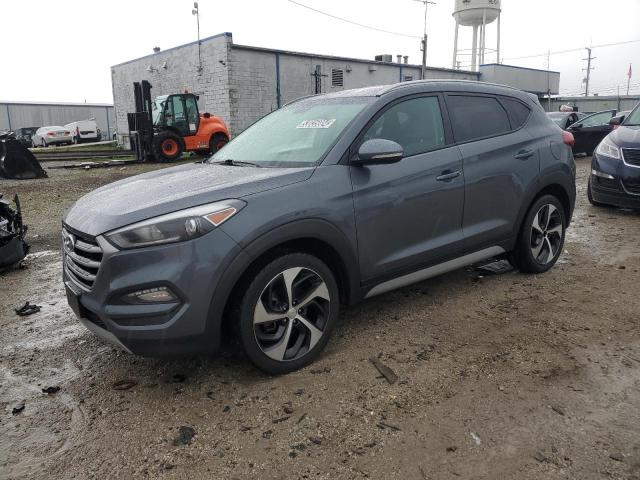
x=320 y=123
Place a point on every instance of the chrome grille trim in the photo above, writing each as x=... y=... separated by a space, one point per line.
x=631 y=156
x=81 y=259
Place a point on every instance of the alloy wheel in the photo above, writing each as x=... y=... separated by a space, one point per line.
x=291 y=314
x=546 y=234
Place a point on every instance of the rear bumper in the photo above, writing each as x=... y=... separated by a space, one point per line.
x=54 y=140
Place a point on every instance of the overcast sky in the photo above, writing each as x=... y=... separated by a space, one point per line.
x=62 y=51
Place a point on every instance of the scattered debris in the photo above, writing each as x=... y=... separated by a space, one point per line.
x=90 y=165
x=299 y=391
x=185 y=436
x=178 y=378
x=559 y=410
x=385 y=371
x=302 y=417
x=27 y=309
x=390 y=426
x=452 y=448
x=288 y=409
x=315 y=440
x=541 y=457
x=267 y=434
x=320 y=370
x=51 y=390
x=13 y=246
x=124 y=384
x=476 y=438
x=17 y=409
x=617 y=456
x=226 y=409
x=281 y=419
x=496 y=267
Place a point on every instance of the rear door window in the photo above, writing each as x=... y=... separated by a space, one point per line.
x=518 y=112
x=474 y=117
x=415 y=124
x=596 y=119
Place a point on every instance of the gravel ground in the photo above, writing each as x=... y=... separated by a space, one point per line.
x=504 y=376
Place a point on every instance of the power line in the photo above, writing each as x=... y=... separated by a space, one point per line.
x=352 y=22
x=571 y=50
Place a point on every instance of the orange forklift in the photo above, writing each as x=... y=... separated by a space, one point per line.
x=162 y=129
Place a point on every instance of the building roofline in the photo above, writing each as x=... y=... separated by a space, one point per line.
x=519 y=68
x=55 y=104
x=595 y=97
x=224 y=34
x=347 y=59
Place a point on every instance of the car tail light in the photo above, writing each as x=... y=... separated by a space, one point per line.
x=67 y=133
x=567 y=138
x=51 y=134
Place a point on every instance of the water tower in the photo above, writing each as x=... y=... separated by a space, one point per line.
x=477 y=14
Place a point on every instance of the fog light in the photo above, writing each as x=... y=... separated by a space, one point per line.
x=596 y=173
x=151 y=295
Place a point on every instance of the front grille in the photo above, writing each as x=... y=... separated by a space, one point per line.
x=82 y=257
x=631 y=156
x=632 y=187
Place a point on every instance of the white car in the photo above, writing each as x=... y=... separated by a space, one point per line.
x=46 y=136
x=84 y=131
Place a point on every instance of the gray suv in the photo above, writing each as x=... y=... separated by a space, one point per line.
x=327 y=201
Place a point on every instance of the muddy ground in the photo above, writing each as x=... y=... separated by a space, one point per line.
x=509 y=376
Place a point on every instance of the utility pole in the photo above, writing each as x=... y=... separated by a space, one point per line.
x=196 y=12
x=628 y=79
x=548 y=79
x=424 y=38
x=588 y=69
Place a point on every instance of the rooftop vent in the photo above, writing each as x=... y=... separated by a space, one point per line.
x=384 y=58
x=156 y=49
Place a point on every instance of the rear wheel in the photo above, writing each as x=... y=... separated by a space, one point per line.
x=541 y=237
x=217 y=141
x=288 y=312
x=167 y=147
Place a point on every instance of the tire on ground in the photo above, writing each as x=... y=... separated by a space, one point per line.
x=522 y=256
x=217 y=141
x=243 y=316
x=167 y=146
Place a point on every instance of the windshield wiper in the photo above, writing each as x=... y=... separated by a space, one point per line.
x=237 y=163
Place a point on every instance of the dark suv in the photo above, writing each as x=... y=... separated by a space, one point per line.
x=327 y=201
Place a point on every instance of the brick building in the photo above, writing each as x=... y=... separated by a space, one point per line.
x=242 y=83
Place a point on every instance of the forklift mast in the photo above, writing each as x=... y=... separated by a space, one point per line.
x=141 y=122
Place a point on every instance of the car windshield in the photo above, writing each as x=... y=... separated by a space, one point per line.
x=633 y=119
x=156 y=108
x=297 y=135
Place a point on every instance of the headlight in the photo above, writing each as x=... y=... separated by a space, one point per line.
x=608 y=149
x=175 y=227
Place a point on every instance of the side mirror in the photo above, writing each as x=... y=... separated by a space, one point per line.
x=378 y=151
x=576 y=126
x=615 y=121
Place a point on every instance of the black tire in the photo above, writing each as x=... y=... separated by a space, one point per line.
x=547 y=238
x=217 y=141
x=300 y=345
x=167 y=147
x=590 y=196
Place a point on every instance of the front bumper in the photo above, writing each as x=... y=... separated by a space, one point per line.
x=623 y=190
x=192 y=270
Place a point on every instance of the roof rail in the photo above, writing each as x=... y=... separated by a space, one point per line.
x=399 y=85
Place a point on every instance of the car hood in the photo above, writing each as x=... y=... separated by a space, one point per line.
x=626 y=137
x=168 y=190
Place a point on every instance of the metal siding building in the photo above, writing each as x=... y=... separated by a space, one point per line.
x=14 y=115
x=242 y=83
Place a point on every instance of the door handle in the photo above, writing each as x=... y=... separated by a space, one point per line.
x=446 y=176
x=524 y=154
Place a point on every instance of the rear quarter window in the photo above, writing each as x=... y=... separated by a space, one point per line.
x=518 y=112
x=474 y=117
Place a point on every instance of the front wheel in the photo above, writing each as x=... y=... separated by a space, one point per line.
x=541 y=237
x=167 y=146
x=288 y=312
